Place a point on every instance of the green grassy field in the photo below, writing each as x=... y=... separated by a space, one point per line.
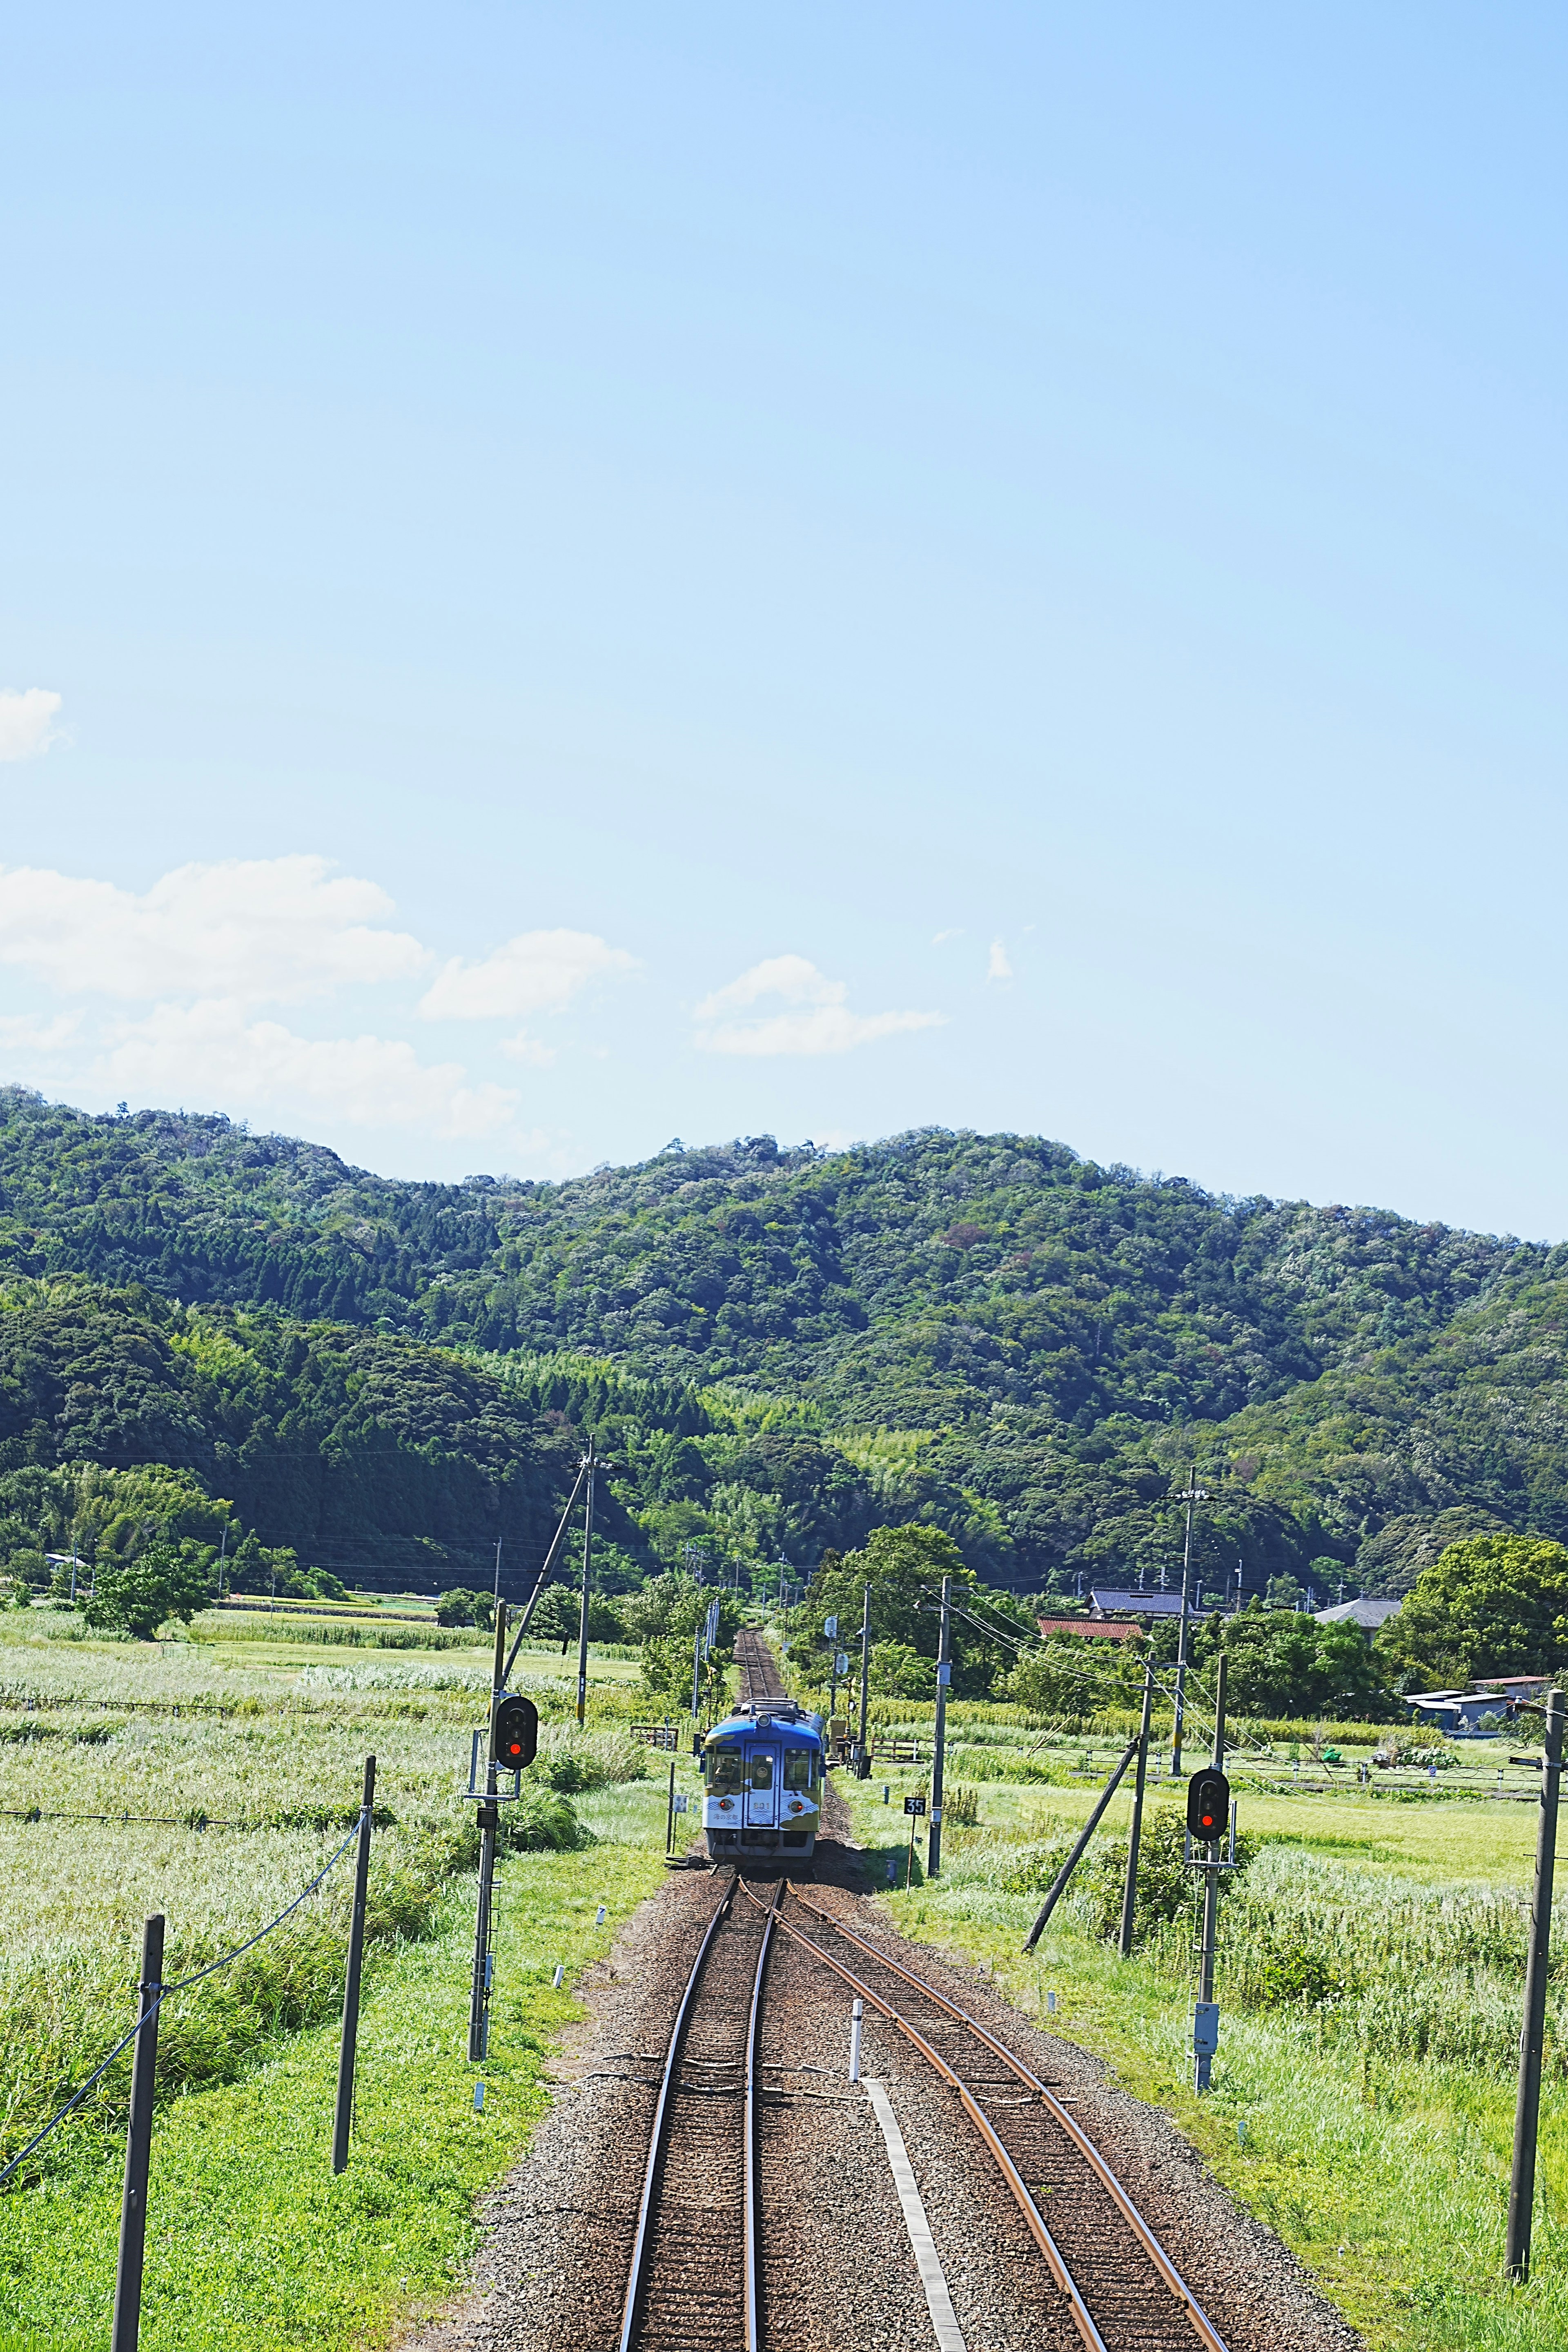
x=251 y=2241
x=1370 y=1978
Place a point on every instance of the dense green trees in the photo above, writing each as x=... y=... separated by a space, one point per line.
x=780 y=1351
x=1490 y=1605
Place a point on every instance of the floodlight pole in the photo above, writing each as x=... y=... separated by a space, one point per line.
x=1192 y=1493
x=1526 y=2114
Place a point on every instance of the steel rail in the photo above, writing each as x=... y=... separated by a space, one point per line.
x=1031 y=2212
x=754 y=2036
x=1207 y=2334
x=637 y=2279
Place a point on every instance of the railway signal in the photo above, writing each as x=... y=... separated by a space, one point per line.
x=516 y=1732
x=1208 y=1804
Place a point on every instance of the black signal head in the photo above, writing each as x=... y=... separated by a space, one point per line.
x=516 y=1732
x=1208 y=1805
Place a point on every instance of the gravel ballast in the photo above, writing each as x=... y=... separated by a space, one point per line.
x=838 y=2269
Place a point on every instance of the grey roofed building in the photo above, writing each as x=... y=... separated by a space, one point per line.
x=1140 y=1604
x=1459 y=1713
x=1368 y=1614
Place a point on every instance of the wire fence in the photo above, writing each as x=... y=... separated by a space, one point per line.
x=181 y=1984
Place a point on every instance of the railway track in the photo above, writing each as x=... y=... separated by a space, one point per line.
x=759 y=1670
x=1120 y=2290
x=693 y=2285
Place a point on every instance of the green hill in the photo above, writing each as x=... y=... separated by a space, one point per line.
x=781 y=1347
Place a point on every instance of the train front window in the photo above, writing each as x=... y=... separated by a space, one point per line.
x=797 y=1768
x=724 y=1771
x=761 y=1768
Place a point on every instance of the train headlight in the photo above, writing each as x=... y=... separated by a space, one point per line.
x=726 y=1804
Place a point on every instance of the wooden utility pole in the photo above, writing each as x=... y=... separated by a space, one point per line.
x=1526 y=2114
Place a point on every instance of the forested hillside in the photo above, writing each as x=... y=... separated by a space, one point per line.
x=783 y=1349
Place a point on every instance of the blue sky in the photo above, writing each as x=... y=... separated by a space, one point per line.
x=573 y=576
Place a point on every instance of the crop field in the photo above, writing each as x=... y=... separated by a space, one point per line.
x=211 y=1782
x=1370 y=1977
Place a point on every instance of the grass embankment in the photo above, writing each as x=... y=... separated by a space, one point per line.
x=251 y=2242
x=1370 y=1978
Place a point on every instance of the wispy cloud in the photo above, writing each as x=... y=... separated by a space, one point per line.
x=26 y=722
x=265 y=929
x=31 y=1033
x=943 y=938
x=210 y=1053
x=998 y=968
x=538 y=971
x=819 y=1021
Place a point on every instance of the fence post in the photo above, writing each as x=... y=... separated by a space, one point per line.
x=343 y=2118
x=139 y=2147
x=1526 y=2113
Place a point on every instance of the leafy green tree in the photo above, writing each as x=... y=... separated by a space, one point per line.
x=1071 y=1678
x=1492 y=1604
x=904 y=1568
x=166 y=1580
x=1284 y=1664
x=461 y=1607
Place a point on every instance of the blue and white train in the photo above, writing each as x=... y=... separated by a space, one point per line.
x=763 y=1767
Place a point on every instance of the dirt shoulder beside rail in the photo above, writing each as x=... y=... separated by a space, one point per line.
x=838 y=2271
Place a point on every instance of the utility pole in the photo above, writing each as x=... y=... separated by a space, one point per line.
x=1192 y=1493
x=943 y=1677
x=489 y=1822
x=589 y=1465
x=1204 y=2058
x=863 y=1761
x=498 y=1573
x=1135 y=1833
x=1526 y=2114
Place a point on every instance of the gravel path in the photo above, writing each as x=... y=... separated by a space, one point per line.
x=838 y=2269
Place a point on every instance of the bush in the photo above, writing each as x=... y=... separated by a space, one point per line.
x=1166 y=1887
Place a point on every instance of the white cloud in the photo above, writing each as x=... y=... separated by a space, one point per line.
x=538 y=971
x=276 y=928
x=823 y=1024
x=26 y=722
x=524 y=1049
x=30 y=1033
x=998 y=968
x=209 y=1052
x=943 y=938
